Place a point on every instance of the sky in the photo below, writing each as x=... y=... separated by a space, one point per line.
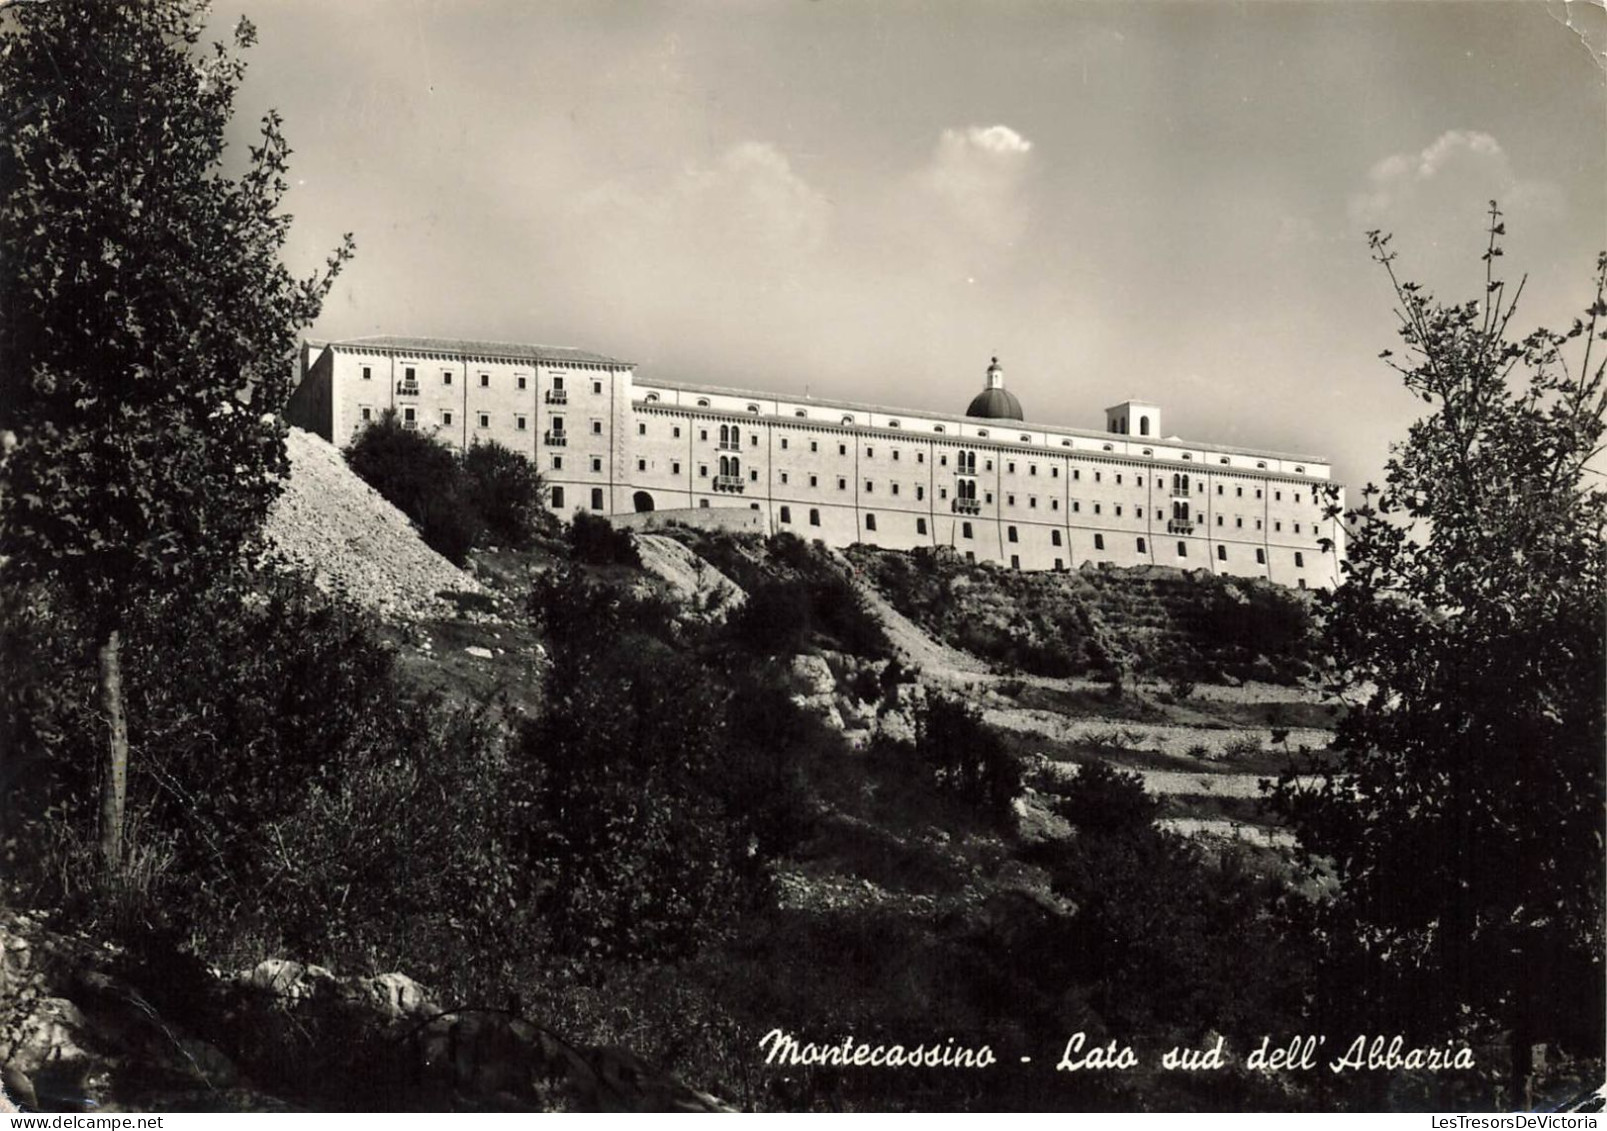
x=868 y=200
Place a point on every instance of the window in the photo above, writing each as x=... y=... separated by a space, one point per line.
x=675 y=467
x=786 y=514
x=596 y=463
x=1301 y=582
x=1258 y=524
x=1096 y=507
x=1011 y=534
x=1118 y=479
x=895 y=488
x=1099 y=541
x=814 y=481
x=1054 y=537
x=703 y=402
x=675 y=432
x=1118 y=510
x=814 y=445
x=558 y=498
x=703 y=503
x=1015 y=561
x=1011 y=467
x=702 y=471
x=1182 y=549
x=1032 y=502
x=1054 y=473
x=557 y=463
x=1076 y=473
x=842 y=484
x=1221 y=553
x=842 y=449
x=485 y=420
x=524 y=382
x=753 y=475
x=1297 y=528
x=1260 y=557
x=1060 y=563
x=652 y=398
x=557 y=384
x=1141 y=547
x=937 y=428
x=1239 y=491
x=1138 y=512
x=641 y=465
x=1297 y=496
x=1032 y=469
x=368 y=373
x=799 y=412
x=446 y=417
x=702 y=433
x=446 y=377
x=1219 y=488
x=1219 y=520
x=965 y=530
x=920 y=526
x=485 y=381
x=814 y=516
x=870 y=453
x=596 y=388
x=1076 y=507
x=920 y=491
x=1258 y=492
x=597 y=428
x=848 y=419
x=895 y=454
x=783 y=478
x=1010 y=500
x=1054 y=504
x=869 y=487
x=641 y=429
x=366 y=413
x=1300 y=559
x=1277 y=526
x=870 y=522
x=596 y=498
x=409 y=374
x=920 y=457
x=783 y=443
x=521 y=422
x=1277 y=496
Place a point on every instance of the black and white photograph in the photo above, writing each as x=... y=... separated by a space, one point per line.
x=803 y=556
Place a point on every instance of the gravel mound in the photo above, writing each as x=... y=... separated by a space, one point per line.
x=339 y=529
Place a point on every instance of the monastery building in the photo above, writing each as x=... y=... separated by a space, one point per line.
x=988 y=483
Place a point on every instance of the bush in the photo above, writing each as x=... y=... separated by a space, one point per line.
x=489 y=493
x=507 y=490
x=965 y=757
x=595 y=541
x=289 y=796
x=1107 y=801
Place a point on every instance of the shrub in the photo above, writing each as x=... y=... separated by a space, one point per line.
x=1105 y=800
x=288 y=794
x=965 y=757
x=596 y=541
x=421 y=477
x=507 y=490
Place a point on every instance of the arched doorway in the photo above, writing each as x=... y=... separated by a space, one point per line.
x=643 y=502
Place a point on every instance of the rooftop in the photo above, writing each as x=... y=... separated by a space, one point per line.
x=474 y=347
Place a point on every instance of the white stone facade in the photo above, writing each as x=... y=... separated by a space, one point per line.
x=1021 y=494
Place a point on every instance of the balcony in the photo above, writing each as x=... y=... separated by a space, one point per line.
x=407 y=388
x=1179 y=526
x=728 y=483
x=555 y=439
x=557 y=396
x=967 y=506
x=729 y=446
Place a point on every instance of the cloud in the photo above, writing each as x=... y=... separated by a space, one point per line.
x=1458 y=171
x=966 y=204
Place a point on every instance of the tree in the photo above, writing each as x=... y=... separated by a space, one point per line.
x=422 y=478
x=149 y=324
x=508 y=491
x=1464 y=819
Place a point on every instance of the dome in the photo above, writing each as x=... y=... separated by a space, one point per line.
x=995 y=402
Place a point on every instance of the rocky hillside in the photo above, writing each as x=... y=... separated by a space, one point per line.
x=1153 y=621
x=338 y=528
